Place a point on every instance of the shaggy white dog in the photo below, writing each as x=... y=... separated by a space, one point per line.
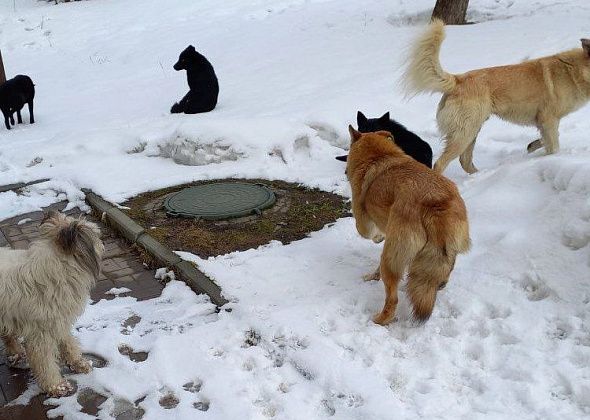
x=42 y=292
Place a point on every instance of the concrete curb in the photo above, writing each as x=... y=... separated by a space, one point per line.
x=136 y=234
x=18 y=185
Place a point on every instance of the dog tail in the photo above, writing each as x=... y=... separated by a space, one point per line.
x=424 y=72
x=430 y=270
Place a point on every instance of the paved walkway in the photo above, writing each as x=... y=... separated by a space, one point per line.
x=121 y=268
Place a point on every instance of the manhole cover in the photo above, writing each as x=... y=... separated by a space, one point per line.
x=220 y=200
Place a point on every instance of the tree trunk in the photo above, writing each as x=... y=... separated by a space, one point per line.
x=2 y=73
x=451 y=12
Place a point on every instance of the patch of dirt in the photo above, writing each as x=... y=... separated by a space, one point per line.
x=297 y=212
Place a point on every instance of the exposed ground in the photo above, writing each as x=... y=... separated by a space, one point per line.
x=298 y=211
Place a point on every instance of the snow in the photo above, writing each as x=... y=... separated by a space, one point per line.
x=117 y=291
x=509 y=336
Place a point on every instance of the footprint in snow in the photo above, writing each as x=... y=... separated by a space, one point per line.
x=137 y=357
x=168 y=400
x=535 y=288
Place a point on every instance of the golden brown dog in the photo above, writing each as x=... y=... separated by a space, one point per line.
x=536 y=92
x=419 y=213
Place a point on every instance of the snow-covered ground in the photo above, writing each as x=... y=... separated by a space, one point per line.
x=510 y=335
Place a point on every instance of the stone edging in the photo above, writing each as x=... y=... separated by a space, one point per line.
x=18 y=185
x=133 y=232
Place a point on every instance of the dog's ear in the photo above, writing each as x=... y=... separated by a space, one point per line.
x=342 y=158
x=66 y=238
x=586 y=45
x=361 y=119
x=384 y=117
x=191 y=48
x=354 y=135
x=80 y=239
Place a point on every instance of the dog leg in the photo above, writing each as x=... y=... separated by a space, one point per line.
x=404 y=238
x=15 y=353
x=466 y=159
x=12 y=119
x=390 y=281
x=70 y=352
x=31 y=116
x=460 y=121
x=534 y=145
x=429 y=272
x=42 y=353
x=376 y=275
x=19 y=117
x=7 y=117
x=550 y=136
x=180 y=107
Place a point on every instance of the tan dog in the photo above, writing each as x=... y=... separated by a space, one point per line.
x=419 y=213
x=42 y=292
x=537 y=93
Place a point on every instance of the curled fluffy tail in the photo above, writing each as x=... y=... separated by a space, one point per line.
x=424 y=73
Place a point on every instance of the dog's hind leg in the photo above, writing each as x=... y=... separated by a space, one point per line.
x=70 y=352
x=31 y=115
x=375 y=275
x=15 y=352
x=459 y=121
x=429 y=272
x=404 y=239
x=534 y=145
x=7 y=118
x=42 y=352
x=466 y=159
x=19 y=116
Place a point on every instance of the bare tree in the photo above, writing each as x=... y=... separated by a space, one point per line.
x=451 y=12
x=2 y=72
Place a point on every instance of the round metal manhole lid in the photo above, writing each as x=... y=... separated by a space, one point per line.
x=220 y=200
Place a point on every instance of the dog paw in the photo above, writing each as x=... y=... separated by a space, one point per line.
x=382 y=319
x=378 y=238
x=81 y=366
x=534 y=145
x=376 y=275
x=62 y=389
x=175 y=109
x=18 y=361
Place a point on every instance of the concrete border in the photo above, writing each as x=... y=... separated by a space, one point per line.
x=18 y=185
x=185 y=270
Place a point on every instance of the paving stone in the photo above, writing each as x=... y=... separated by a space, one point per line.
x=123 y=272
x=3 y=240
x=22 y=244
x=90 y=400
x=12 y=231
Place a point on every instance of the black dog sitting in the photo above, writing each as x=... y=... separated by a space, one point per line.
x=409 y=142
x=14 y=94
x=202 y=82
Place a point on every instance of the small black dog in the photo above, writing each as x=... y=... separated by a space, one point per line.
x=14 y=94
x=202 y=82
x=409 y=142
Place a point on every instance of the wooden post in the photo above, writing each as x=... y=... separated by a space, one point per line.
x=2 y=72
x=451 y=12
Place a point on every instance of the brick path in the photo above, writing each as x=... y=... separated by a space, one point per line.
x=121 y=268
